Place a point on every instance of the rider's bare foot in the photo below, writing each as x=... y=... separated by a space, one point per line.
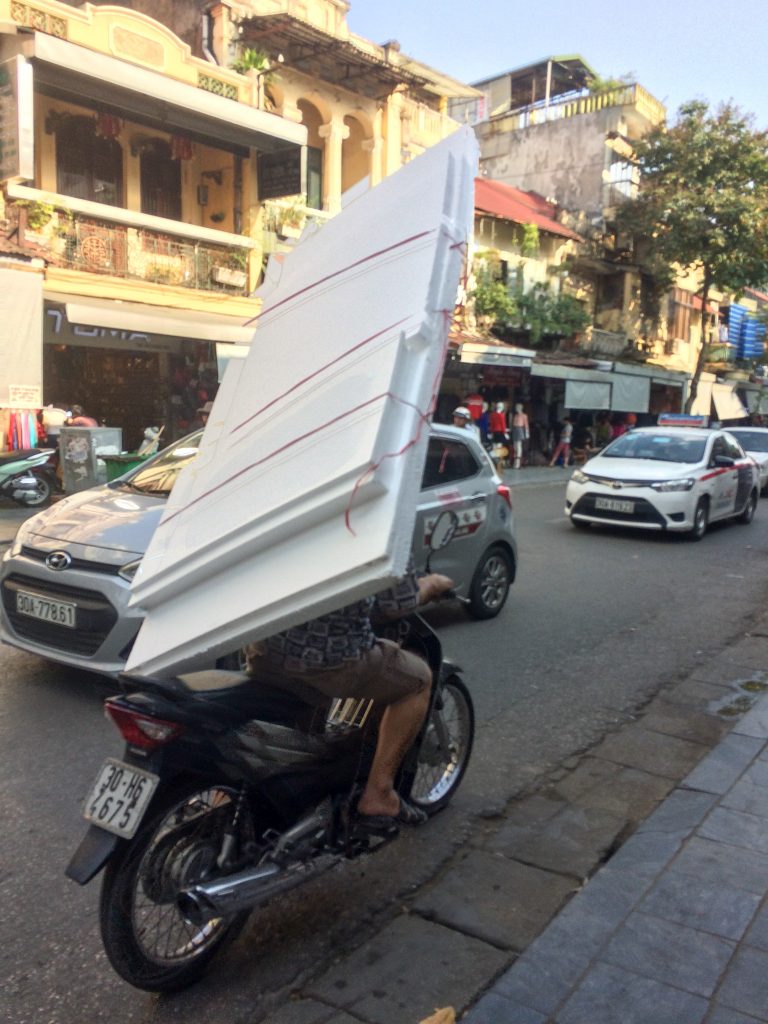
x=379 y=803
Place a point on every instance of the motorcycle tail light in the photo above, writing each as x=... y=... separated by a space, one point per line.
x=504 y=492
x=142 y=730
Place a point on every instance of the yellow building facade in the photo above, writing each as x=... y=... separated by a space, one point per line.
x=149 y=168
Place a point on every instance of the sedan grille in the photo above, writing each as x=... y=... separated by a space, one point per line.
x=95 y=616
x=39 y=555
x=614 y=484
x=644 y=511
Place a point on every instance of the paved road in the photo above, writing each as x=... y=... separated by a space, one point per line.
x=597 y=622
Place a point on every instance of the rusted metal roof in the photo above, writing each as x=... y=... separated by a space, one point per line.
x=509 y=203
x=313 y=51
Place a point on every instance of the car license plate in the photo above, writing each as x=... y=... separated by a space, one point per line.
x=61 y=613
x=614 y=505
x=120 y=797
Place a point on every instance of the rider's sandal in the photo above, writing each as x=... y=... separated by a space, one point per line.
x=385 y=824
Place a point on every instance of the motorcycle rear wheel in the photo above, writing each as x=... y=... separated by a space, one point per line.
x=445 y=748
x=146 y=938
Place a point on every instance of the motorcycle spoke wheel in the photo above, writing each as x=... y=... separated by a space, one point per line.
x=445 y=748
x=148 y=940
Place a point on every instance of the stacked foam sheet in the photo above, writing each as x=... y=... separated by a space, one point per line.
x=304 y=493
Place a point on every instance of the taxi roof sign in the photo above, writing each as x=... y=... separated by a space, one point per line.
x=681 y=419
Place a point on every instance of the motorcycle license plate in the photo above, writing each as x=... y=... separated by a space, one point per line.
x=119 y=797
x=61 y=613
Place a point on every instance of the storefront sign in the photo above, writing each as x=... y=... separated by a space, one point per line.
x=24 y=396
x=280 y=173
x=17 y=154
x=57 y=330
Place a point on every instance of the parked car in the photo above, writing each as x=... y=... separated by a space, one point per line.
x=658 y=478
x=65 y=580
x=754 y=441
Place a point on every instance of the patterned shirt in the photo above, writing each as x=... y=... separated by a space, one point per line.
x=333 y=640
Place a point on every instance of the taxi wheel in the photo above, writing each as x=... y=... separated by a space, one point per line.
x=700 y=520
x=748 y=513
x=490 y=584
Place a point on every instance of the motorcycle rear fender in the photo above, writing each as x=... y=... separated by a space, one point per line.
x=92 y=854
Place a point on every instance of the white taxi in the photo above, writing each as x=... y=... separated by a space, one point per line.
x=665 y=478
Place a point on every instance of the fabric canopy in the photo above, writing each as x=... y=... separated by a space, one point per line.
x=630 y=393
x=728 y=405
x=584 y=394
x=21 y=314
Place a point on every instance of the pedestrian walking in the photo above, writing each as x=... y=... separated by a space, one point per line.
x=564 y=444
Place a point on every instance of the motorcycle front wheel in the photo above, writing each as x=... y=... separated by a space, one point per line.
x=41 y=493
x=445 y=748
x=147 y=939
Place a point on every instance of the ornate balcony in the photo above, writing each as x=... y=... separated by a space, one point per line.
x=99 y=246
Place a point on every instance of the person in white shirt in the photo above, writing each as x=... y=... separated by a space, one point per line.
x=564 y=444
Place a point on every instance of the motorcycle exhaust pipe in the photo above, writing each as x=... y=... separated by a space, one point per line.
x=253 y=886
x=243 y=891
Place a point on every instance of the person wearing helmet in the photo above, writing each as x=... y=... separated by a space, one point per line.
x=463 y=418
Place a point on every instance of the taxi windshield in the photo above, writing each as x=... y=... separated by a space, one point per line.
x=656 y=447
x=752 y=440
x=159 y=474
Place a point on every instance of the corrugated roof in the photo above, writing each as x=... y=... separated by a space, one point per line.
x=510 y=203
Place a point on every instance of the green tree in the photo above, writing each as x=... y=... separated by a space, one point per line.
x=703 y=202
x=544 y=312
x=493 y=300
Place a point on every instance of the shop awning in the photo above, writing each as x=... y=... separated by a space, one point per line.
x=496 y=354
x=630 y=393
x=728 y=405
x=587 y=394
x=142 y=318
x=76 y=72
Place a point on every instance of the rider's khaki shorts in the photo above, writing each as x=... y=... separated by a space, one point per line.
x=385 y=674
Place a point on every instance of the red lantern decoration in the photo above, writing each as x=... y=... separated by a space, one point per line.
x=108 y=126
x=181 y=147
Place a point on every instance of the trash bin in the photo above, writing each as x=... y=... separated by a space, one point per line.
x=81 y=453
x=119 y=464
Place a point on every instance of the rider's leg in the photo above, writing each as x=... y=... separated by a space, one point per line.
x=399 y=727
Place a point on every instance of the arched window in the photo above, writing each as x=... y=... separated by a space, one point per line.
x=160 y=180
x=88 y=166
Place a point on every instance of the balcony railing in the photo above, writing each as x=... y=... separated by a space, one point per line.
x=625 y=96
x=425 y=125
x=86 y=243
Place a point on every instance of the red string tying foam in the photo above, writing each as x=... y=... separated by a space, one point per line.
x=275 y=453
x=337 y=273
x=316 y=373
x=424 y=418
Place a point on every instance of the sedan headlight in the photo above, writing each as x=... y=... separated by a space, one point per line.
x=129 y=570
x=664 y=486
x=579 y=478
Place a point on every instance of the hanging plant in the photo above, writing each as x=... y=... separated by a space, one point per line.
x=530 y=244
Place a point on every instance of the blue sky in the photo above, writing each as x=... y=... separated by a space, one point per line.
x=676 y=49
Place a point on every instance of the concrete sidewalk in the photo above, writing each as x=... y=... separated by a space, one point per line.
x=674 y=929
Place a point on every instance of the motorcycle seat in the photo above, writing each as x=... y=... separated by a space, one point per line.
x=19 y=454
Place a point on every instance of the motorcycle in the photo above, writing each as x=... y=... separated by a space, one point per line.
x=231 y=792
x=28 y=476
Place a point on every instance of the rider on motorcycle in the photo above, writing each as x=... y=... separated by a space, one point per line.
x=340 y=655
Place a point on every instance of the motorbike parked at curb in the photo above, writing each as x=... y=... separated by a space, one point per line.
x=28 y=476
x=231 y=792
